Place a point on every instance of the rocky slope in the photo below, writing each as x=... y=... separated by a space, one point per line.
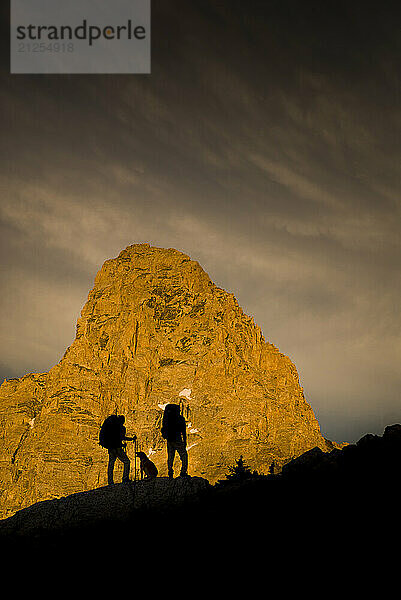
x=117 y=503
x=155 y=329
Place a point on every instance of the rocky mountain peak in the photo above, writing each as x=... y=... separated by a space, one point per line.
x=155 y=329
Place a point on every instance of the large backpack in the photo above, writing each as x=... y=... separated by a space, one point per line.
x=110 y=432
x=173 y=423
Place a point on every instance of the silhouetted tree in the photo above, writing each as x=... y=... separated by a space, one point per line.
x=239 y=472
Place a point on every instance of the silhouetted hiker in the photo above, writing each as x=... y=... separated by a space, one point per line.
x=112 y=435
x=175 y=432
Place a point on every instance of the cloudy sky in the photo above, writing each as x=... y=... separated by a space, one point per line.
x=266 y=145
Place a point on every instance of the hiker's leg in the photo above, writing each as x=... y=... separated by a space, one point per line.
x=110 y=466
x=170 y=457
x=183 y=454
x=121 y=454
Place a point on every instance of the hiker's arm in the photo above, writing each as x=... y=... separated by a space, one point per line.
x=130 y=439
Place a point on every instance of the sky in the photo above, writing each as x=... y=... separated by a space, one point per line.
x=266 y=145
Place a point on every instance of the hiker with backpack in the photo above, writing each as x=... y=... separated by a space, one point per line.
x=175 y=432
x=112 y=435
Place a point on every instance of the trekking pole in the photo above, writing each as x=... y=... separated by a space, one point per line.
x=135 y=449
x=133 y=488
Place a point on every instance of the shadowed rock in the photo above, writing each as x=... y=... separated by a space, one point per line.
x=118 y=502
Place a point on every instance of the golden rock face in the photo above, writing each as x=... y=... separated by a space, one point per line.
x=155 y=329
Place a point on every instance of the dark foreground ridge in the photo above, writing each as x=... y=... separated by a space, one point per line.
x=356 y=486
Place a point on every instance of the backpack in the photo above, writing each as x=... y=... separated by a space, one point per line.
x=173 y=423
x=110 y=432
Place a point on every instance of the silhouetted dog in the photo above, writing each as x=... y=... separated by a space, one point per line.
x=147 y=466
